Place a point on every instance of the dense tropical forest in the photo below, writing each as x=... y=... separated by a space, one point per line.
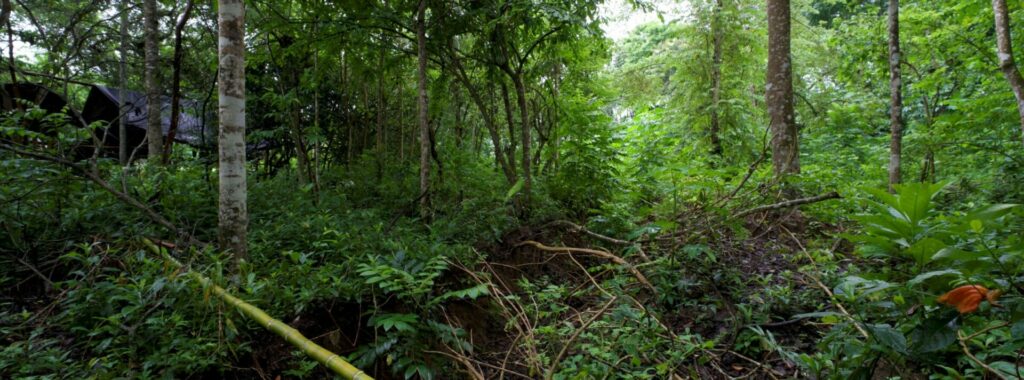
x=510 y=189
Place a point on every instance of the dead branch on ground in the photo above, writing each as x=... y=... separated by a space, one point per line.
x=788 y=204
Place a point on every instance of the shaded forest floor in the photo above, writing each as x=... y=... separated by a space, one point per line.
x=479 y=292
x=745 y=267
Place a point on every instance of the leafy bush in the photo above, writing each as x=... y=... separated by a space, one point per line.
x=927 y=252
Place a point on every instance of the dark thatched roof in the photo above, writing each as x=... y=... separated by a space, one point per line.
x=102 y=105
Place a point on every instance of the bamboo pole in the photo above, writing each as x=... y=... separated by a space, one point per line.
x=332 y=361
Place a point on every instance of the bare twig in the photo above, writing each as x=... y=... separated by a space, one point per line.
x=568 y=343
x=985 y=330
x=578 y=228
x=788 y=204
x=33 y=269
x=963 y=345
x=602 y=254
x=831 y=296
x=750 y=172
x=464 y=360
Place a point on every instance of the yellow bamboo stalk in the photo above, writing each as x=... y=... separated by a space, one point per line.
x=332 y=361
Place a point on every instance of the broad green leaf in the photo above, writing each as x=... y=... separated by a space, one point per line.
x=953 y=253
x=933 y=335
x=929 y=275
x=989 y=213
x=923 y=250
x=1008 y=370
x=889 y=337
x=1017 y=330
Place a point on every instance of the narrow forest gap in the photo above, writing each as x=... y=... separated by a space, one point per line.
x=511 y=189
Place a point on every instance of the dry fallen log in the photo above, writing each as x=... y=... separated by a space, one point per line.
x=788 y=204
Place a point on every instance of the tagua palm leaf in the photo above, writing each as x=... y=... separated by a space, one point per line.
x=332 y=361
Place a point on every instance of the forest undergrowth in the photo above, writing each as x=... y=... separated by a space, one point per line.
x=475 y=293
x=513 y=189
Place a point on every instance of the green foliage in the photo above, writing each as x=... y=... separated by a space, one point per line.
x=138 y=321
x=406 y=336
x=621 y=144
x=930 y=252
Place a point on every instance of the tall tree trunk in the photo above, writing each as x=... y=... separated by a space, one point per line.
x=299 y=139
x=176 y=81
x=122 y=82
x=716 y=77
x=5 y=20
x=895 y=95
x=379 y=146
x=154 y=134
x=524 y=128
x=314 y=165
x=509 y=119
x=233 y=216
x=555 y=117
x=1006 y=63
x=459 y=127
x=779 y=94
x=316 y=112
x=347 y=102
x=489 y=123
x=421 y=103
x=401 y=127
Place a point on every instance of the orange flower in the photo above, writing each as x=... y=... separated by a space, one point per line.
x=967 y=298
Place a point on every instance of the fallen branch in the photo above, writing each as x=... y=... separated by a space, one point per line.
x=332 y=361
x=788 y=204
x=750 y=172
x=602 y=254
x=963 y=346
x=565 y=348
x=831 y=296
x=578 y=228
x=49 y=283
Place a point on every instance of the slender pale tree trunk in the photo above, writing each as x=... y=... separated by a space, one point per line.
x=379 y=143
x=298 y=136
x=421 y=103
x=895 y=95
x=779 y=92
x=716 y=77
x=233 y=215
x=122 y=82
x=1006 y=63
x=509 y=119
x=487 y=116
x=524 y=130
x=154 y=134
x=5 y=20
x=316 y=111
x=347 y=102
x=555 y=121
x=179 y=28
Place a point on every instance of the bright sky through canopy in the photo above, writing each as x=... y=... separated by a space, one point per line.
x=621 y=17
